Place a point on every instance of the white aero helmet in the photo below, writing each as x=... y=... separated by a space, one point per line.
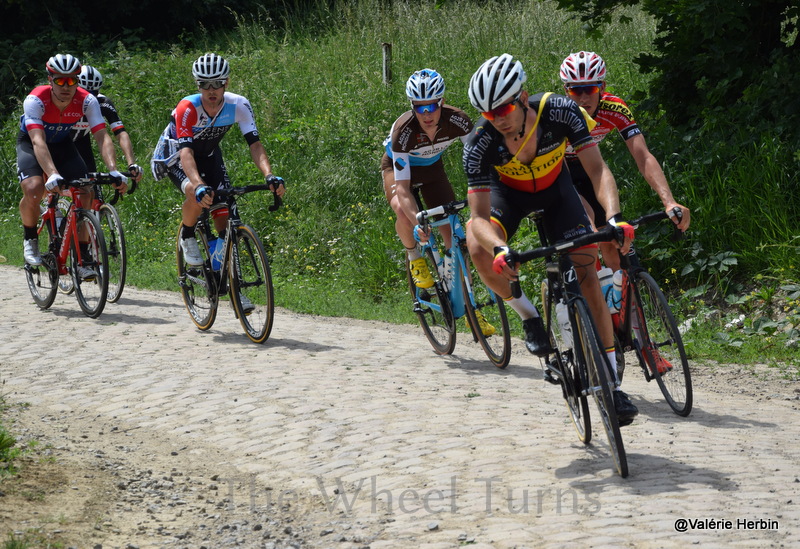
x=211 y=67
x=90 y=78
x=63 y=64
x=425 y=85
x=583 y=67
x=496 y=81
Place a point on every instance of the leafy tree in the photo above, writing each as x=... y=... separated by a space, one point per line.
x=717 y=63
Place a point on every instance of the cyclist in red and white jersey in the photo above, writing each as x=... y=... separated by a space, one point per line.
x=413 y=154
x=584 y=77
x=198 y=123
x=91 y=80
x=44 y=145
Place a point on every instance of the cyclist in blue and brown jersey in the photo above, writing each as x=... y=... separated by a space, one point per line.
x=584 y=77
x=515 y=164
x=91 y=80
x=414 y=150
x=44 y=145
x=198 y=123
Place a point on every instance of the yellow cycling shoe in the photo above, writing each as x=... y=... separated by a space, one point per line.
x=486 y=328
x=420 y=273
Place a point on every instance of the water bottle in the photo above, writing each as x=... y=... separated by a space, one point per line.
x=562 y=316
x=216 y=248
x=606 y=284
x=614 y=298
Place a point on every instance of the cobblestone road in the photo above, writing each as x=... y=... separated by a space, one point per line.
x=361 y=421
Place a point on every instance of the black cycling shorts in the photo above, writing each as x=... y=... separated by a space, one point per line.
x=65 y=156
x=212 y=169
x=564 y=215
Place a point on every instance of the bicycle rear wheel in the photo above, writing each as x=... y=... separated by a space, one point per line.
x=91 y=291
x=251 y=285
x=198 y=284
x=662 y=348
x=43 y=279
x=600 y=384
x=569 y=377
x=432 y=306
x=483 y=304
x=115 y=246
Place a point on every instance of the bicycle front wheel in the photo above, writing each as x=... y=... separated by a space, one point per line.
x=662 y=348
x=487 y=316
x=90 y=274
x=432 y=306
x=115 y=246
x=590 y=351
x=251 y=285
x=198 y=284
x=567 y=369
x=43 y=279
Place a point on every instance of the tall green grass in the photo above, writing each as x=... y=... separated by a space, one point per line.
x=323 y=112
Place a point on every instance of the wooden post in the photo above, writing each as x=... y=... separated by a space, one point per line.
x=387 y=63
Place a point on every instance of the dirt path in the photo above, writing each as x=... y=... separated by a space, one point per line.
x=348 y=434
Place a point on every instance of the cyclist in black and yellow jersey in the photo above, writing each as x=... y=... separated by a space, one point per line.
x=514 y=162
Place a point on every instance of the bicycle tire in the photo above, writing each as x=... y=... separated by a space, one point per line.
x=432 y=307
x=482 y=300
x=601 y=387
x=250 y=277
x=92 y=293
x=664 y=341
x=43 y=279
x=115 y=247
x=198 y=284
x=577 y=403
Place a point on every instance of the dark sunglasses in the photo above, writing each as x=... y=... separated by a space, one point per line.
x=425 y=109
x=502 y=110
x=65 y=81
x=577 y=91
x=211 y=84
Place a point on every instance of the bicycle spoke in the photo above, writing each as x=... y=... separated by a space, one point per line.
x=89 y=268
x=600 y=384
x=487 y=316
x=251 y=285
x=662 y=345
x=115 y=246
x=432 y=307
x=197 y=284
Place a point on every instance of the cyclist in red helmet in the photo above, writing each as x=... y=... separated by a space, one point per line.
x=584 y=77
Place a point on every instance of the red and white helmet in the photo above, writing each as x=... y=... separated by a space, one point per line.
x=63 y=64
x=583 y=67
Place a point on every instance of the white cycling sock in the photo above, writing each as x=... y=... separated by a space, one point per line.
x=413 y=253
x=525 y=309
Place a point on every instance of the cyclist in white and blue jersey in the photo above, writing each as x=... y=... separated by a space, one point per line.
x=199 y=123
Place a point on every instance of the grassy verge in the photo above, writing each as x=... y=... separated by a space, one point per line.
x=323 y=110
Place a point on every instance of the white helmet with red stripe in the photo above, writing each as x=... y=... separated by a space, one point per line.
x=583 y=67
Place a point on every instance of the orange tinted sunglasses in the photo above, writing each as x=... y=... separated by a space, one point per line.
x=502 y=110
x=65 y=81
